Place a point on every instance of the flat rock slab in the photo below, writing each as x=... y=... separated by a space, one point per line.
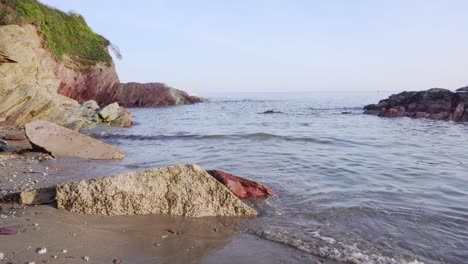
x=60 y=141
x=185 y=190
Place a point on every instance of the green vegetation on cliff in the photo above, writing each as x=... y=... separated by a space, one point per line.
x=63 y=33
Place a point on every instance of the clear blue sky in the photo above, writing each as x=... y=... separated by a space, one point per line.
x=206 y=46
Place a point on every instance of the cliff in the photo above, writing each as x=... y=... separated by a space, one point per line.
x=436 y=104
x=60 y=63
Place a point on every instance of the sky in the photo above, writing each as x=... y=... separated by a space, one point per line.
x=208 y=46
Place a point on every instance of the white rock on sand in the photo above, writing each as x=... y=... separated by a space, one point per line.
x=60 y=141
x=185 y=190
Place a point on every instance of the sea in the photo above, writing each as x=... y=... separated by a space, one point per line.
x=349 y=187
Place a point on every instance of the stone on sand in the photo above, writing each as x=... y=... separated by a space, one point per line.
x=185 y=190
x=60 y=141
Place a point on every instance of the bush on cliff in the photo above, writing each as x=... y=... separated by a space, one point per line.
x=63 y=33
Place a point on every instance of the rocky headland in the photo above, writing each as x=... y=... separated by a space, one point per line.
x=436 y=104
x=51 y=62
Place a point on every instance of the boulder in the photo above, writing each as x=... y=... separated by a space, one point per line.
x=91 y=104
x=242 y=188
x=110 y=112
x=60 y=141
x=15 y=137
x=185 y=190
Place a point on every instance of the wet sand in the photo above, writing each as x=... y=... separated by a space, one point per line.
x=119 y=239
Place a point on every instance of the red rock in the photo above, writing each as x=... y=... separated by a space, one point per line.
x=150 y=94
x=9 y=230
x=15 y=137
x=440 y=116
x=242 y=188
x=397 y=111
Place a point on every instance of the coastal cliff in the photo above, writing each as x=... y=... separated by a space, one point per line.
x=436 y=104
x=57 y=63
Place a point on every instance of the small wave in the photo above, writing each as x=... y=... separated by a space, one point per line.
x=329 y=248
x=251 y=136
x=334 y=108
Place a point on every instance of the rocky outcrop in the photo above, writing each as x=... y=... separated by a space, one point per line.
x=29 y=88
x=185 y=190
x=436 y=104
x=242 y=188
x=60 y=141
x=150 y=95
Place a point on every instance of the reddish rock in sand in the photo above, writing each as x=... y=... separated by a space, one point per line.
x=242 y=188
x=14 y=137
x=60 y=141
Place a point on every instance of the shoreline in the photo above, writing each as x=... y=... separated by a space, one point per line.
x=127 y=239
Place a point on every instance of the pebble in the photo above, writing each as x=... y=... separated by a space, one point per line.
x=54 y=256
x=86 y=258
x=36 y=224
x=64 y=251
x=165 y=236
x=2 y=256
x=42 y=251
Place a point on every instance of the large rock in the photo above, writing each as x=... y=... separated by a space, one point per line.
x=436 y=103
x=34 y=87
x=185 y=190
x=242 y=188
x=60 y=141
x=150 y=94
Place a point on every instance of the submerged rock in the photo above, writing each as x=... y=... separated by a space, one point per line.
x=185 y=190
x=272 y=112
x=242 y=188
x=60 y=141
x=436 y=104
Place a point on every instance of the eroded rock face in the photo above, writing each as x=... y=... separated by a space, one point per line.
x=60 y=141
x=242 y=188
x=150 y=94
x=436 y=104
x=185 y=190
x=28 y=88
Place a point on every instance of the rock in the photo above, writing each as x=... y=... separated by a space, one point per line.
x=463 y=89
x=9 y=230
x=185 y=190
x=150 y=95
x=37 y=197
x=242 y=188
x=436 y=103
x=123 y=120
x=41 y=251
x=272 y=112
x=3 y=146
x=110 y=112
x=60 y=141
x=91 y=104
x=397 y=111
x=15 y=137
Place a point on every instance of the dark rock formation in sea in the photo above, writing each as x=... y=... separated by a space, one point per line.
x=436 y=104
x=150 y=94
x=242 y=188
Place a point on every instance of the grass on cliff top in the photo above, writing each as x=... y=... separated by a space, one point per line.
x=63 y=33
